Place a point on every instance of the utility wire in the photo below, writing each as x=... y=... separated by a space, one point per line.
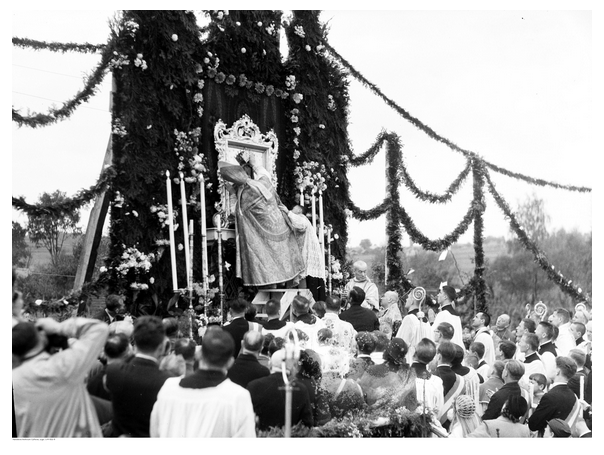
x=46 y=71
x=57 y=101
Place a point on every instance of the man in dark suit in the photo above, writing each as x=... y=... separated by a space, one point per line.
x=445 y=355
x=512 y=372
x=114 y=307
x=362 y=319
x=134 y=384
x=238 y=325
x=574 y=383
x=117 y=348
x=246 y=367
x=273 y=311
x=268 y=397
x=558 y=403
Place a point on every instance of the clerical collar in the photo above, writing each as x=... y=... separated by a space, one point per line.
x=146 y=357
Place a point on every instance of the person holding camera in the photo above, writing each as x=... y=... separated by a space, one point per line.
x=134 y=383
x=50 y=394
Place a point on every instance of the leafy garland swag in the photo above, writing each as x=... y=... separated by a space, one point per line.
x=397 y=217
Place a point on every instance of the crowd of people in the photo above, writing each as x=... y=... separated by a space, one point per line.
x=103 y=377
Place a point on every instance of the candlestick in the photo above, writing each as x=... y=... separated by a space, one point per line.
x=171 y=229
x=185 y=226
x=204 y=244
x=220 y=287
x=190 y=275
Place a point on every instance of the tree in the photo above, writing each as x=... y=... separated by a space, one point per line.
x=533 y=218
x=21 y=252
x=51 y=229
x=365 y=244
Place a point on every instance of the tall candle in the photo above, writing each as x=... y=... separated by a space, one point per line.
x=301 y=197
x=171 y=229
x=321 y=225
x=328 y=261
x=185 y=226
x=191 y=238
x=204 y=245
x=314 y=212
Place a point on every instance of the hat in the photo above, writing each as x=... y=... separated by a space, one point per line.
x=465 y=406
x=559 y=428
x=366 y=341
x=300 y=304
x=396 y=351
x=450 y=292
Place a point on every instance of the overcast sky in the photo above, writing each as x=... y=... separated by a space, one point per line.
x=512 y=86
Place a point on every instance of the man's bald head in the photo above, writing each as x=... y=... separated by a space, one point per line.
x=252 y=341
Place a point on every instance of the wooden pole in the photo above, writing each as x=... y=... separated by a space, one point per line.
x=94 y=230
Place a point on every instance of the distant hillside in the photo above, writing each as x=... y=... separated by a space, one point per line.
x=463 y=253
x=41 y=256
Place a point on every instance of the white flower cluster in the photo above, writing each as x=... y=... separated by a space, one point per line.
x=299 y=30
x=290 y=82
x=139 y=286
x=310 y=175
x=134 y=259
x=297 y=97
x=118 y=202
x=270 y=29
x=118 y=129
x=138 y=61
x=186 y=144
x=118 y=61
x=335 y=268
x=294 y=116
x=131 y=27
x=331 y=104
x=161 y=210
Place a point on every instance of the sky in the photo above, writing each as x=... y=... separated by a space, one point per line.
x=513 y=86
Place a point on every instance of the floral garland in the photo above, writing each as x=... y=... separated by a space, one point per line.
x=565 y=285
x=431 y=133
x=57 y=47
x=388 y=421
x=68 y=205
x=35 y=120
